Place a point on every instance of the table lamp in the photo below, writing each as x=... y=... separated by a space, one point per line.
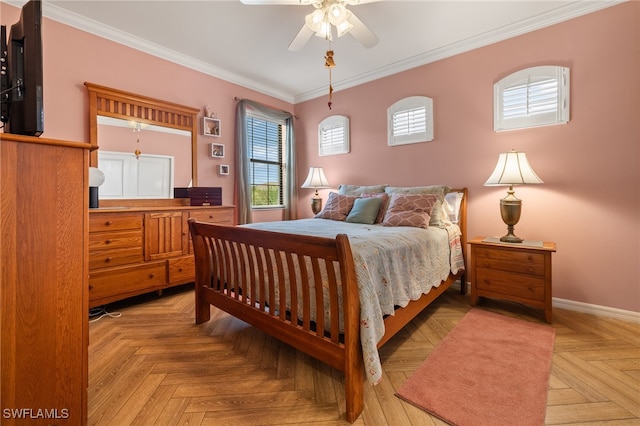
x=512 y=169
x=316 y=180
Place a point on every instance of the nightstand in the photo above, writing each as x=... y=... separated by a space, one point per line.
x=516 y=272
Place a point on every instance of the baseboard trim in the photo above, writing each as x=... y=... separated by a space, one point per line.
x=598 y=310
x=587 y=308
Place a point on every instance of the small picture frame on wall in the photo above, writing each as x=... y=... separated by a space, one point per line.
x=211 y=127
x=216 y=150
x=224 y=169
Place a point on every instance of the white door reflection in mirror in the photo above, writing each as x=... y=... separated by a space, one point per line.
x=148 y=176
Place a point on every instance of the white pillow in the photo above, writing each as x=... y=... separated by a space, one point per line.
x=452 y=205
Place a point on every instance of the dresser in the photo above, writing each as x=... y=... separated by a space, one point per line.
x=135 y=250
x=516 y=272
x=43 y=281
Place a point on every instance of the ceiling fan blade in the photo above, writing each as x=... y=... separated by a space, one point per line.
x=301 y=38
x=361 y=33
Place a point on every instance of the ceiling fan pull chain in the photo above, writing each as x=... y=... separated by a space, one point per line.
x=330 y=63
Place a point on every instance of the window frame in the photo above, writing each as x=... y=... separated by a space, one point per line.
x=252 y=115
x=409 y=106
x=530 y=80
x=335 y=126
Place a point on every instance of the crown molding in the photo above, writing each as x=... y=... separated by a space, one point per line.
x=91 y=26
x=560 y=14
x=556 y=16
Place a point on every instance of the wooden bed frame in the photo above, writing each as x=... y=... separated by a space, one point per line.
x=228 y=257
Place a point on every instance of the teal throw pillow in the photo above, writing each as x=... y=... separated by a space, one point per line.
x=365 y=210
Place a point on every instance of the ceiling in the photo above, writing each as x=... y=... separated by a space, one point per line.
x=247 y=44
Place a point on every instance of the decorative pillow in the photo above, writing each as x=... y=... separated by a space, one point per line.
x=410 y=210
x=383 y=206
x=365 y=210
x=337 y=207
x=438 y=217
x=358 y=190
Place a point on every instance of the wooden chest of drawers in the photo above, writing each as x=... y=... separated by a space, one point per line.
x=516 y=272
x=137 y=250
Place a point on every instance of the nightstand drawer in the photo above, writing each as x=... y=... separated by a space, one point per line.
x=510 y=284
x=509 y=260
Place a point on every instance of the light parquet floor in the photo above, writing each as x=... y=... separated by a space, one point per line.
x=154 y=366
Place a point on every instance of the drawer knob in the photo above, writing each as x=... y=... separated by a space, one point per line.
x=108 y=259
x=107 y=223
x=179 y=269
x=90 y=286
x=107 y=242
x=151 y=275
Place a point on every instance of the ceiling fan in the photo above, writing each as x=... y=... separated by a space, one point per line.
x=327 y=14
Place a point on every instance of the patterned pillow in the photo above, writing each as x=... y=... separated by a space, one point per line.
x=337 y=207
x=383 y=207
x=410 y=210
x=438 y=217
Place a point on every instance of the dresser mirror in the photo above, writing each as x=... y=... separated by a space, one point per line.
x=151 y=135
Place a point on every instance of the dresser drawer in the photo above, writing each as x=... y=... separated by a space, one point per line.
x=182 y=270
x=119 y=283
x=108 y=258
x=520 y=286
x=222 y=216
x=510 y=260
x=114 y=240
x=114 y=222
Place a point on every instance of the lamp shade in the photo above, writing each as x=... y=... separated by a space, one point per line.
x=316 y=179
x=96 y=177
x=512 y=168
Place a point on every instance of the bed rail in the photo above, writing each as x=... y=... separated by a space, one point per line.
x=301 y=290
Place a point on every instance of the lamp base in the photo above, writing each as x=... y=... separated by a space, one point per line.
x=316 y=205
x=511 y=237
x=510 y=210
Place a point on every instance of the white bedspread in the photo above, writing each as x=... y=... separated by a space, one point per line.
x=394 y=265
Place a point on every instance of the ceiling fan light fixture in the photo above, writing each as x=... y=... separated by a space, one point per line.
x=344 y=28
x=325 y=31
x=337 y=13
x=315 y=20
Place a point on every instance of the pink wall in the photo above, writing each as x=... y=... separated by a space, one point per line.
x=72 y=57
x=588 y=205
x=589 y=202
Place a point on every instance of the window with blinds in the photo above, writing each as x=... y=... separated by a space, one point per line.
x=410 y=120
x=333 y=135
x=266 y=165
x=537 y=96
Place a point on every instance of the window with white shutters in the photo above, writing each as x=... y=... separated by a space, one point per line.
x=410 y=120
x=333 y=135
x=537 y=96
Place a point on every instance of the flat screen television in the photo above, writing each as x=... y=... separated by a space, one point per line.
x=22 y=98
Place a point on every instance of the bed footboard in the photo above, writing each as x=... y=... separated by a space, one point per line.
x=301 y=290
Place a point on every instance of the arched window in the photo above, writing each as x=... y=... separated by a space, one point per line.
x=537 y=96
x=410 y=120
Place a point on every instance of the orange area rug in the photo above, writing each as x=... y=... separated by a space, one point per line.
x=489 y=370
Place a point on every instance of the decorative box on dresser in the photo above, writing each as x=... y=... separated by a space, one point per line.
x=511 y=271
x=139 y=249
x=43 y=284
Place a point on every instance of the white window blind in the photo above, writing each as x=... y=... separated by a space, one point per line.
x=266 y=165
x=536 y=96
x=410 y=120
x=333 y=135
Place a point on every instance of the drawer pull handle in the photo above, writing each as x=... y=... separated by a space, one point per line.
x=90 y=286
x=151 y=276
x=179 y=269
x=108 y=259
x=107 y=223
x=108 y=241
